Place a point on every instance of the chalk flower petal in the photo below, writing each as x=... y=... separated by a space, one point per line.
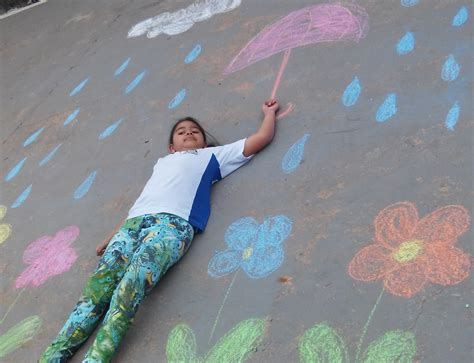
x=275 y=230
x=241 y=233
x=371 y=263
x=264 y=259
x=447 y=265
x=444 y=225
x=223 y=263
x=407 y=280
x=395 y=224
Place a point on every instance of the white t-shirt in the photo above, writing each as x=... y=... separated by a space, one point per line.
x=181 y=182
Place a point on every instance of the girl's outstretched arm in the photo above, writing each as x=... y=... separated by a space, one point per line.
x=264 y=135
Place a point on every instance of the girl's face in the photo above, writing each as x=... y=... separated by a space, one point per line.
x=187 y=136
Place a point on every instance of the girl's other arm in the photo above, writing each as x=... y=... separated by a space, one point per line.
x=100 y=249
x=264 y=135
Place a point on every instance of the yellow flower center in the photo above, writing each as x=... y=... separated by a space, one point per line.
x=408 y=251
x=247 y=253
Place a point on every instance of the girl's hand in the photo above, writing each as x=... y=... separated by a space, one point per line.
x=100 y=249
x=270 y=106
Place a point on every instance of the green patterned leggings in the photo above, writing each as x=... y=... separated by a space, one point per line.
x=136 y=258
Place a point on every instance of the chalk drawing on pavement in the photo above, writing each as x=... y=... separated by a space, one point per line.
x=22 y=197
x=387 y=109
x=294 y=155
x=49 y=156
x=461 y=17
x=122 y=67
x=5 y=228
x=351 y=93
x=15 y=170
x=19 y=334
x=193 y=54
x=136 y=81
x=85 y=185
x=179 y=21
x=79 y=87
x=452 y=116
x=450 y=70
x=32 y=137
x=47 y=257
x=409 y=252
x=110 y=129
x=235 y=346
x=176 y=101
x=72 y=116
x=406 y=44
x=409 y=3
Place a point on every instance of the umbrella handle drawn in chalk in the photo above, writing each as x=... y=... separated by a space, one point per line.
x=309 y=25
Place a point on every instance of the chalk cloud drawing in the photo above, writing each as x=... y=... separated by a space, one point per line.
x=15 y=170
x=309 y=25
x=179 y=21
x=461 y=17
x=5 y=228
x=48 y=256
x=294 y=155
x=175 y=102
x=33 y=137
x=22 y=197
x=85 y=185
x=322 y=344
x=452 y=117
x=409 y=252
x=193 y=54
x=79 y=87
x=136 y=81
x=257 y=249
x=49 y=156
x=450 y=70
x=235 y=346
x=351 y=93
x=19 y=334
x=72 y=116
x=122 y=67
x=110 y=129
x=406 y=44
x=387 y=109
x=409 y=3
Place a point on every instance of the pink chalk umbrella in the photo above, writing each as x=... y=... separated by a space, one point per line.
x=312 y=24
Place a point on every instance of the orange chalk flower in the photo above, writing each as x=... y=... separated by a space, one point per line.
x=409 y=252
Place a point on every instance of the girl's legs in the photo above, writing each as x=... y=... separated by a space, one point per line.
x=163 y=243
x=95 y=297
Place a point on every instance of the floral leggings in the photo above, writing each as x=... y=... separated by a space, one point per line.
x=136 y=258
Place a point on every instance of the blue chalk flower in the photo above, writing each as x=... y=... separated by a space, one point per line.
x=256 y=248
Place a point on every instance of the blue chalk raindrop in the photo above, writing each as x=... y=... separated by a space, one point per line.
x=406 y=44
x=452 y=117
x=79 y=87
x=33 y=137
x=122 y=67
x=48 y=157
x=110 y=129
x=85 y=186
x=450 y=69
x=22 y=197
x=388 y=108
x=15 y=170
x=352 y=92
x=135 y=82
x=294 y=155
x=71 y=116
x=461 y=17
x=193 y=54
x=408 y=3
x=177 y=99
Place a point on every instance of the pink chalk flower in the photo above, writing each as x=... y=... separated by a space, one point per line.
x=48 y=256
